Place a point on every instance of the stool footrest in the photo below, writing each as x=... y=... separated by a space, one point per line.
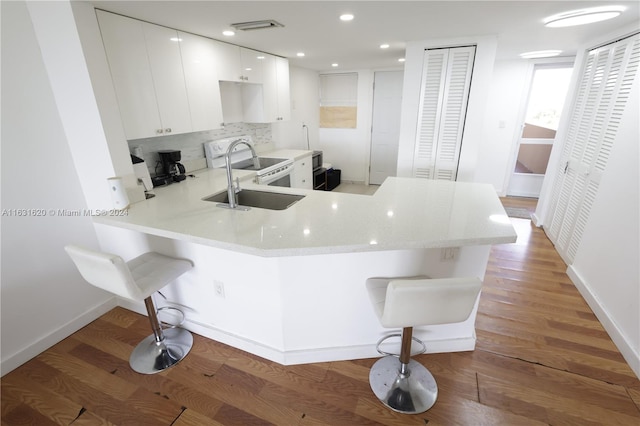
x=415 y=339
x=166 y=325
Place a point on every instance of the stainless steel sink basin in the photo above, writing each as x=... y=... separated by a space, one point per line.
x=259 y=199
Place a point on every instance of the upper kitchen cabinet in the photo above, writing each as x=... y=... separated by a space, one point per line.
x=148 y=78
x=239 y=63
x=276 y=88
x=270 y=101
x=200 y=64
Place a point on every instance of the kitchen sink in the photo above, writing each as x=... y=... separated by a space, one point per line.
x=259 y=199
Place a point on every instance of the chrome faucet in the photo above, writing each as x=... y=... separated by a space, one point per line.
x=233 y=189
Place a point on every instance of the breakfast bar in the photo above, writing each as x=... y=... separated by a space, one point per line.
x=289 y=285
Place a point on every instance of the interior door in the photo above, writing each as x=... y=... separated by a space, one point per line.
x=547 y=92
x=608 y=74
x=446 y=80
x=385 y=129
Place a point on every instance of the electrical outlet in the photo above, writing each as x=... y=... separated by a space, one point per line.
x=218 y=287
x=449 y=253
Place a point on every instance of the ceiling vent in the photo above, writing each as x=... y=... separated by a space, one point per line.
x=257 y=25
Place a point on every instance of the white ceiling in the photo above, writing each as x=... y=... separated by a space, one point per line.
x=314 y=28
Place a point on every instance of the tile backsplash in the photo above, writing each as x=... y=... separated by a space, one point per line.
x=191 y=145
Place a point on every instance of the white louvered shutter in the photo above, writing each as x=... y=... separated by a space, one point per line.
x=602 y=94
x=446 y=79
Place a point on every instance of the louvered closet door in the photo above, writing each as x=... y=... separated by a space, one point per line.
x=446 y=79
x=602 y=94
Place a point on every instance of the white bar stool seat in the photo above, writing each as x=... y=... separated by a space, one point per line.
x=401 y=383
x=137 y=280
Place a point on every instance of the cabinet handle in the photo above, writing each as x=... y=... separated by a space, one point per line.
x=159 y=131
x=167 y=130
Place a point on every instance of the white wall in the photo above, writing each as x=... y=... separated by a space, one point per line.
x=43 y=297
x=304 y=110
x=478 y=95
x=507 y=91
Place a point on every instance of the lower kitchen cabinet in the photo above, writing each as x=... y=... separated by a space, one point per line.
x=302 y=176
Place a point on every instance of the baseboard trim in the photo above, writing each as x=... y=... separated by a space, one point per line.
x=626 y=349
x=16 y=360
x=311 y=355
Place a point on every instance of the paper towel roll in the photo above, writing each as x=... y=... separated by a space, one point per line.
x=118 y=193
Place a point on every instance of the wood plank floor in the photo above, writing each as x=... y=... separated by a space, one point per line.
x=542 y=357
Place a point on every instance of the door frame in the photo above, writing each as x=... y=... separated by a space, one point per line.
x=522 y=110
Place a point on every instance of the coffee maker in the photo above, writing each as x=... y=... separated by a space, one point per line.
x=172 y=170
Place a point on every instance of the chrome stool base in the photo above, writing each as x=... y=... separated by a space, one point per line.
x=412 y=392
x=151 y=357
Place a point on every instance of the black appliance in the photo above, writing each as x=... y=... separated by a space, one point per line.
x=319 y=172
x=171 y=169
x=316 y=160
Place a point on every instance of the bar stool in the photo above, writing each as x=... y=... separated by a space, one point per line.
x=137 y=280
x=401 y=383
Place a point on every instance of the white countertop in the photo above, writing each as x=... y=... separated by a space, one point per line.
x=403 y=214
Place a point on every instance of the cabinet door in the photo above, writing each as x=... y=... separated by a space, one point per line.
x=201 y=78
x=251 y=64
x=228 y=61
x=302 y=176
x=124 y=43
x=270 y=89
x=274 y=100
x=168 y=78
x=284 y=91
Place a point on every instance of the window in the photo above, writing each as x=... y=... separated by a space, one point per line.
x=339 y=100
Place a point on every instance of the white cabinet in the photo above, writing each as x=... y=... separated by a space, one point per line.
x=275 y=83
x=251 y=65
x=238 y=64
x=200 y=64
x=302 y=176
x=146 y=70
x=170 y=82
x=163 y=48
x=270 y=101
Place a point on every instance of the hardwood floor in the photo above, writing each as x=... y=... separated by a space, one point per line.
x=542 y=357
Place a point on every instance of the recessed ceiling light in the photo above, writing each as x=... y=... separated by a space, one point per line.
x=175 y=39
x=228 y=33
x=401 y=60
x=300 y=54
x=346 y=17
x=583 y=16
x=540 y=54
x=384 y=46
x=334 y=65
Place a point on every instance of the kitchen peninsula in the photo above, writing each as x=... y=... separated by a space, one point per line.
x=289 y=285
